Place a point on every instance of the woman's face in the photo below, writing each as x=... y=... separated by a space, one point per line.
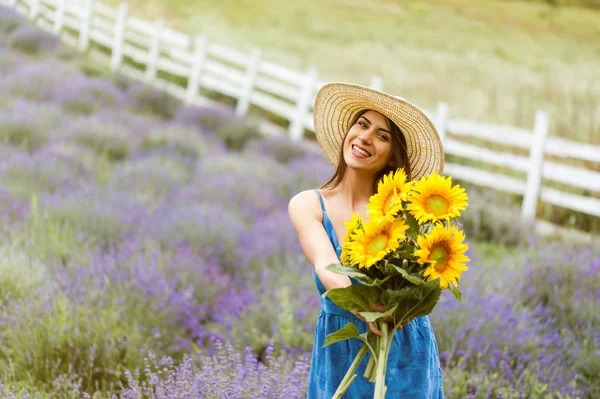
x=368 y=144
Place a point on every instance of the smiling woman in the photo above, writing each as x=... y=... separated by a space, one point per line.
x=369 y=123
x=365 y=134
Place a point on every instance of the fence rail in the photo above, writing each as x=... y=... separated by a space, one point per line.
x=289 y=94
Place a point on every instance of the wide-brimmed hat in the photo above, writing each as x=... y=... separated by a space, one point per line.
x=337 y=104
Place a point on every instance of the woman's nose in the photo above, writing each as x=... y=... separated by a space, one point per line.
x=364 y=138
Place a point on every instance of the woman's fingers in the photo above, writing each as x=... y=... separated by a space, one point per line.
x=379 y=307
x=374 y=329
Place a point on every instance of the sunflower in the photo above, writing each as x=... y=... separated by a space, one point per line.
x=434 y=199
x=444 y=251
x=391 y=191
x=352 y=226
x=373 y=242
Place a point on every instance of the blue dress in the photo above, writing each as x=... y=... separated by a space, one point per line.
x=413 y=370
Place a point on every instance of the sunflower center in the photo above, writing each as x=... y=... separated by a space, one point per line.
x=439 y=254
x=389 y=203
x=437 y=205
x=377 y=244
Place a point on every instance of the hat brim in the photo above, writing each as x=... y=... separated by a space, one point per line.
x=337 y=104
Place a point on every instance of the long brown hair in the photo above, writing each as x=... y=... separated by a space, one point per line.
x=399 y=156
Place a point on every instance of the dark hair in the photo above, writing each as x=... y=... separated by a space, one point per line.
x=399 y=156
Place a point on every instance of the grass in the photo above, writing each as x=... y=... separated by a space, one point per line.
x=496 y=61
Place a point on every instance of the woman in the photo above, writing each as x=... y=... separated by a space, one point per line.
x=365 y=134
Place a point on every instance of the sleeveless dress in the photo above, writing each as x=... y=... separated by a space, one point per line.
x=413 y=370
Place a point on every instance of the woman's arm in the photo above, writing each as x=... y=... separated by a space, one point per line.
x=307 y=218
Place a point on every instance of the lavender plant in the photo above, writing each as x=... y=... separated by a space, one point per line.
x=136 y=230
x=32 y=40
x=10 y=21
x=37 y=81
x=183 y=140
x=226 y=374
x=86 y=95
x=28 y=124
x=281 y=148
x=152 y=102
x=110 y=139
x=205 y=118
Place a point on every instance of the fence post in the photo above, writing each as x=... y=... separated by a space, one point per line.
x=296 y=129
x=59 y=17
x=535 y=170
x=154 y=51
x=441 y=120
x=86 y=26
x=116 y=57
x=34 y=9
x=246 y=92
x=194 y=81
x=377 y=83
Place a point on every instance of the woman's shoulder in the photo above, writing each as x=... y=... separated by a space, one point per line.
x=305 y=204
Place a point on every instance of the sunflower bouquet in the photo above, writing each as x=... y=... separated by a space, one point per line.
x=403 y=256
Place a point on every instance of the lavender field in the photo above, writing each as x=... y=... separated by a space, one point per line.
x=146 y=252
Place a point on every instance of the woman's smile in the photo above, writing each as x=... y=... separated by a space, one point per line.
x=360 y=152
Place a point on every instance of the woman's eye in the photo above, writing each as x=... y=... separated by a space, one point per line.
x=383 y=137
x=362 y=124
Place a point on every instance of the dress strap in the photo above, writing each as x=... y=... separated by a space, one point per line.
x=321 y=200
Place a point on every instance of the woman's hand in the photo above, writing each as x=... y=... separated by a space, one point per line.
x=381 y=308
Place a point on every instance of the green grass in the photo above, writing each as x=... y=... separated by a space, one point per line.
x=496 y=61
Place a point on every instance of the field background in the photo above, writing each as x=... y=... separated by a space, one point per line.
x=141 y=256
x=494 y=61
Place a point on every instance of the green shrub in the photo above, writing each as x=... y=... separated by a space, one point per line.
x=237 y=133
x=281 y=148
x=9 y=61
x=52 y=237
x=551 y=279
x=27 y=124
x=460 y=383
x=96 y=340
x=149 y=179
x=38 y=82
x=20 y=273
x=38 y=173
x=93 y=68
x=110 y=139
x=9 y=21
x=32 y=40
x=184 y=140
x=78 y=155
x=148 y=100
x=272 y=319
x=491 y=217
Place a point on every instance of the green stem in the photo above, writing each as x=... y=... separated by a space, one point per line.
x=380 y=387
x=370 y=370
x=350 y=376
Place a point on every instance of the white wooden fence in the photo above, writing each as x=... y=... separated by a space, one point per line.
x=289 y=94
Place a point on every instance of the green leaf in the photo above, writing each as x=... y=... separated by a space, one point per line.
x=358 y=275
x=413 y=226
x=373 y=316
x=350 y=330
x=347 y=271
x=457 y=293
x=413 y=278
x=403 y=252
x=354 y=297
x=413 y=301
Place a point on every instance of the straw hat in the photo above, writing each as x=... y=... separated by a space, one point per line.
x=337 y=104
